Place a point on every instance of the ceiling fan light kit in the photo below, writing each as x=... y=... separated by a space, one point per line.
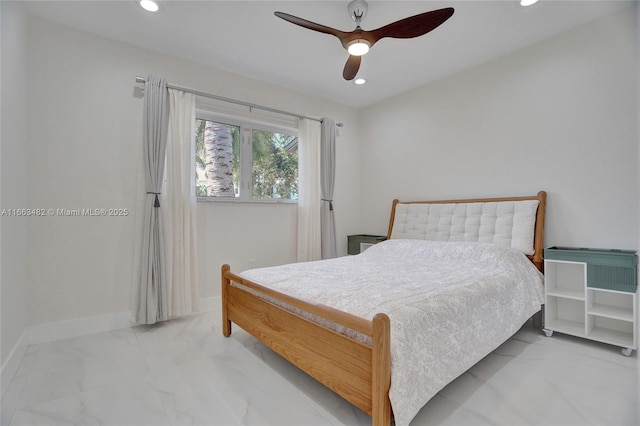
x=358 y=42
x=358 y=47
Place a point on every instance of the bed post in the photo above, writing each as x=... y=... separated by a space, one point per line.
x=226 y=324
x=538 y=255
x=539 y=231
x=392 y=217
x=381 y=367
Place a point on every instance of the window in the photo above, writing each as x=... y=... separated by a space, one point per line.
x=245 y=161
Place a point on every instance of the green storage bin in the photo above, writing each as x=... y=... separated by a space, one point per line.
x=354 y=241
x=606 y=269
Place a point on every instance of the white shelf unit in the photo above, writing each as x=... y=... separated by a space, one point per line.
x=572 y=307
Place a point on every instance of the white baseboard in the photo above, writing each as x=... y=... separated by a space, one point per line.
x=78 y=327
x=50 y=332
x=210 y=303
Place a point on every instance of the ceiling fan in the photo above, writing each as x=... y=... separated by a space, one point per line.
x=358 y=41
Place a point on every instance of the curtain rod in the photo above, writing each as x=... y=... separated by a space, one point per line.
x=235 y=101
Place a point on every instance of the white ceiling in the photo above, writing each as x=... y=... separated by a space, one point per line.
x=244 y=37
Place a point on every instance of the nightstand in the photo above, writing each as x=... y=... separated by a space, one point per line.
x=359 y=243
x=592 y=293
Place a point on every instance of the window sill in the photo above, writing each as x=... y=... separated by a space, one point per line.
x=236 y=200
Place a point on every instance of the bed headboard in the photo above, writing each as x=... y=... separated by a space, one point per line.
x=516 y=222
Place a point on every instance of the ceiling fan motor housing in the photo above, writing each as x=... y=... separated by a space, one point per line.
x=358 y=10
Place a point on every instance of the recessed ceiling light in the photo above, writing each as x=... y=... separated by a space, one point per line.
x=149 y=5
x=360 y=81
x=527 y=2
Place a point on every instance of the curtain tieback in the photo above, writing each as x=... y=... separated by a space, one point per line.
x=156 y=202
x=330 y=203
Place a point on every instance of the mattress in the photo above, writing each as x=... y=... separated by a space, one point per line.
x=450 y=304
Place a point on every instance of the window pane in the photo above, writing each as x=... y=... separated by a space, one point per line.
x=217 y=159
x=275 y=165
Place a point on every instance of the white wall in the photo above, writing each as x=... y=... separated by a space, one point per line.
x=13 y=290
x=560 y=116
x=84 y=150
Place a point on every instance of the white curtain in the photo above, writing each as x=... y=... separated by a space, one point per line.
x=327 y=183
x=165 y=283
x=180 y=205
x=309 y=234
x=151 y=290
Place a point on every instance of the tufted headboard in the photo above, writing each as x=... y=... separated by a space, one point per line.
x=516 y=222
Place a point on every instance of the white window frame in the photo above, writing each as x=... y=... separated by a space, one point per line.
x=246 y=153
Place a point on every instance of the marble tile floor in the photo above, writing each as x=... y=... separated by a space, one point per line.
x=184 y=372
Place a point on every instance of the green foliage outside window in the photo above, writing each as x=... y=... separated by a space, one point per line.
x=275 y=165
x=274 y=162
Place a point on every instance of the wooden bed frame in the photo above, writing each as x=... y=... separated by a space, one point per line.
x=359 y=373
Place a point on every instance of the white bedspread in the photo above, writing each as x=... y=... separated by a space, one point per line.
x=450 y=304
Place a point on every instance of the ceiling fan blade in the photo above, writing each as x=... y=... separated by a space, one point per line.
x=351 y=67
x=414 y=26
x=311 y=25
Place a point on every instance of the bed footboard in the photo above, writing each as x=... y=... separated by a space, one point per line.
x=356 y=371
